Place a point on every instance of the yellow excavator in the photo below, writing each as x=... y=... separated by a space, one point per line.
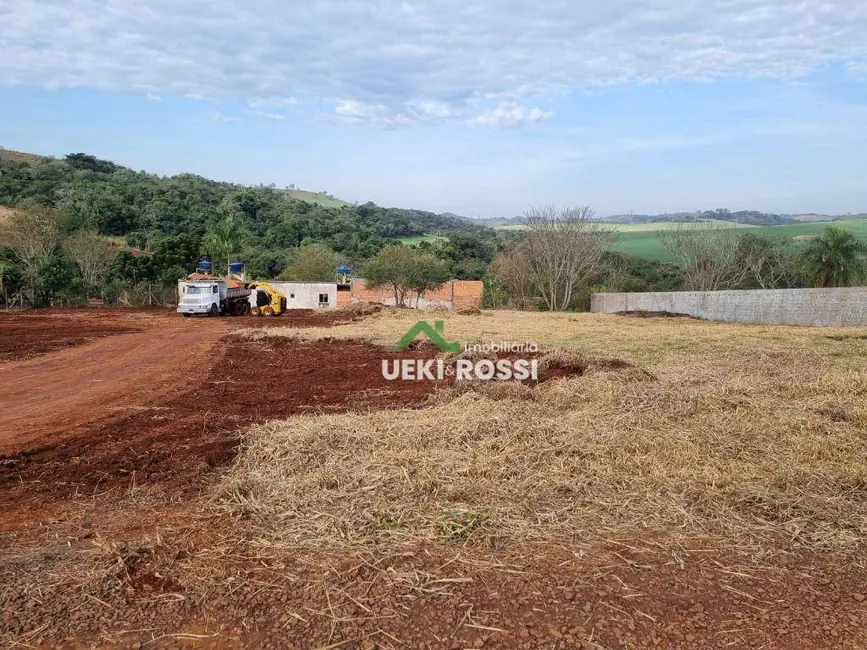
x=266 y=299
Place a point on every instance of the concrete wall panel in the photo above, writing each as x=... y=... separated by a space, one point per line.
x=815 y=307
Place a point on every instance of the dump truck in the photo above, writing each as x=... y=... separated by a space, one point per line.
x=214 y=297
x=266 y=299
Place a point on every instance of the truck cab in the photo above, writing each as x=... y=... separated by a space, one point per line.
x=202 y=297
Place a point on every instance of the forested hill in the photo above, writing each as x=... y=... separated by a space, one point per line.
x=114 y=200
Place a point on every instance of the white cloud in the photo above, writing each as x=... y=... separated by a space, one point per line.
x=152 y=97
x=353 y=110
x=431 y=110
x=511 y=115
x=350 y=111
x=278 y=117
x=216 y=116
x=355 y=113
x=454 y=53
x=273 y=102
x=407 y=50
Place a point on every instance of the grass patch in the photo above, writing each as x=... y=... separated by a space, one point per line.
x=319 y=198
x=416 y=240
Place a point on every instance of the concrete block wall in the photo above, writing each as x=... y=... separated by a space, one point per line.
x=813 y=307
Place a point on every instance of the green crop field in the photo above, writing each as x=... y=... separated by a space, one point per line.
x=647 y=245
x=668 y=225
x=415 y=241
x=639 y=227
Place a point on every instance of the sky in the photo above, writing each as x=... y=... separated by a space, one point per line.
x=478 y=107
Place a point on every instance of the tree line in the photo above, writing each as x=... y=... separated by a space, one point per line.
x=146 y=231
x=85 y=227
x=563 y=257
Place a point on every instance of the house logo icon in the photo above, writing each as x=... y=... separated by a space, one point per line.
x=434 y=334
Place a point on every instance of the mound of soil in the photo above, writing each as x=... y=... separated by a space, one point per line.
x=558 y=370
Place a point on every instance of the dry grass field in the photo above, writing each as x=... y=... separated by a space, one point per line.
x=742 y=432
x=669 y=483
x=5 y=213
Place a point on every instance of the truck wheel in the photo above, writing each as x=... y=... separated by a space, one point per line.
x=254 y=311
x=214 y=311
x=267 y=311
x=245 y=309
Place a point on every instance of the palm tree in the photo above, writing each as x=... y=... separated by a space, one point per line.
x=226 y=238
x=833 y=259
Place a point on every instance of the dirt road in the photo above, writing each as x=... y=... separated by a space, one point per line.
x=51 y=396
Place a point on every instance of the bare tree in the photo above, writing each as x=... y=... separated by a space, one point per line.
x=511 y=267
x=33 y=233
x=764 y=259
x=563 y=251
x=708 y=254
x=92 y=254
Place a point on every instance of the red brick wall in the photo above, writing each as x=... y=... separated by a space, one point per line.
x=457 y=294
x=360 y=293
x=468 y=294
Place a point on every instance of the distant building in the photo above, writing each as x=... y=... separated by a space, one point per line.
x=455 y=294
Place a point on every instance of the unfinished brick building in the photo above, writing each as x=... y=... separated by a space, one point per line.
x=455 y=294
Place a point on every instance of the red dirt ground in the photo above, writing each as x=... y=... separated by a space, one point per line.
x=195 y=416
x=51 y=396
x=100 y=352
x=27 y=335
x=107 y=447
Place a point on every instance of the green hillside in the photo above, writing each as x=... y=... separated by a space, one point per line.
x=319 y=198
x=153 y=227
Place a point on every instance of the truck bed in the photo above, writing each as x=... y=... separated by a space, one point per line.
x=233 y=293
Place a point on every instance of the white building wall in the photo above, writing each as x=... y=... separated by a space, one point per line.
x=305 y=295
